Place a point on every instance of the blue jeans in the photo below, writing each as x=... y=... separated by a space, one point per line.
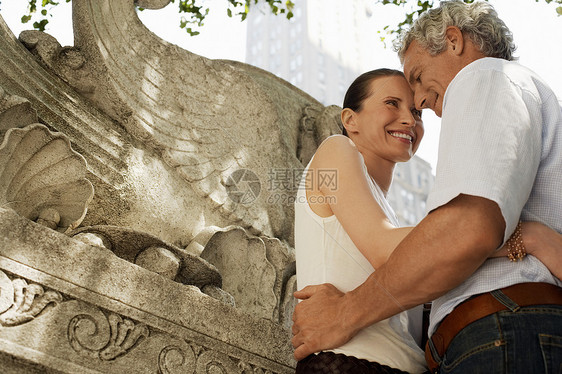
x=521 y=340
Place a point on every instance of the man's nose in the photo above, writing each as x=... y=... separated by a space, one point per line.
x=420 y=99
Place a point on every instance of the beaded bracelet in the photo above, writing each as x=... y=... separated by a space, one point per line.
x=515 y=247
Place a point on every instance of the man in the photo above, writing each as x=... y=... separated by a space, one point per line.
x=500 y=158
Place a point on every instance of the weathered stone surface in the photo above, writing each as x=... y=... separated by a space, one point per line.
x=159 y=260
x=78 y=308
x=42 y=178
x=132 y=245
x=66 y=61
x=171 y=140
x=317 y=125
x=247 y=274
x=191 y=117
x=255 y=270
x=282 y=257
x=152 y=4
x=15 y=112
x=219 y=294
x=134 y=187
x=189 y=131
x=288 y=303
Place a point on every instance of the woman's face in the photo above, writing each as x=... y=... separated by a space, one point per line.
x=388 y=123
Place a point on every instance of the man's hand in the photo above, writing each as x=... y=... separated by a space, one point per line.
x=320 y=321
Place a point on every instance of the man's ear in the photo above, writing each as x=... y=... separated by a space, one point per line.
x=348 y=119
x=455 y=40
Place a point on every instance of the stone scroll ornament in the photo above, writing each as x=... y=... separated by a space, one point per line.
x=193 y=359
x=104 y=337
x=42 y=178
x=20 y=301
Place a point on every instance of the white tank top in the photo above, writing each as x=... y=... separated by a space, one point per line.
x=326 y=254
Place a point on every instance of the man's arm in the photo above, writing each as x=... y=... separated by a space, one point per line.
x=441 y=252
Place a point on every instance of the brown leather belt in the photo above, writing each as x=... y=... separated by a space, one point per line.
x=524 y=294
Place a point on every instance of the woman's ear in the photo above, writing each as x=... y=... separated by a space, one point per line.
x=348 y=120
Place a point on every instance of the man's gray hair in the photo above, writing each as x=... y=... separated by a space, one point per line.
x=478 y=21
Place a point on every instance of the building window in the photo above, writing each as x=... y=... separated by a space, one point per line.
x=292 y=65
x=410 y=198
x=340 y=72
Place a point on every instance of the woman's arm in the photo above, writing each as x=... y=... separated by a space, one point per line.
x=352 y=201
x=545 y=244
x=542 y=242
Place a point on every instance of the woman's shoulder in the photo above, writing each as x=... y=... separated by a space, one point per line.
x=337 y=143
x=336 y=151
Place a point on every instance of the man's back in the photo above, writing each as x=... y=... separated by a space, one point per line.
x=501 y=139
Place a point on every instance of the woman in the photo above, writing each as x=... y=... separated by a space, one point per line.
x=345 y=228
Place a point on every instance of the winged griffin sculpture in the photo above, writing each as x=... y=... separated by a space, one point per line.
x=204 y=118
x=177 y=159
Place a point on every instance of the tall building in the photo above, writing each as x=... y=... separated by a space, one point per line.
x=321 y=50
x=316 y=50
x=408 y=192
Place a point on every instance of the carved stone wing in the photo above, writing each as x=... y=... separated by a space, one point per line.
x=206 y=118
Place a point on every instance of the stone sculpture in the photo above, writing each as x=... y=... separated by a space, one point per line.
x=203 y=119
x=141 y=227
x=43 y=179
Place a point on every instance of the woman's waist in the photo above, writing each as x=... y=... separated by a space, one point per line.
x=381 y=343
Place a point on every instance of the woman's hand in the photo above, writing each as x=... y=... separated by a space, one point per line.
x=545 y=244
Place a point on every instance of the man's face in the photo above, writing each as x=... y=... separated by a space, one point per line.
x=429 y=76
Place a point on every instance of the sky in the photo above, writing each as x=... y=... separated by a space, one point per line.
x=536 y=28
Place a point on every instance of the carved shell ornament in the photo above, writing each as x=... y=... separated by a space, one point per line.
x=43 y=179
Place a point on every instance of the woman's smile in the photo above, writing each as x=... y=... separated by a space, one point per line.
x=402 y=136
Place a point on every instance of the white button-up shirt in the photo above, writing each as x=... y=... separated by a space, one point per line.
x=501 y=139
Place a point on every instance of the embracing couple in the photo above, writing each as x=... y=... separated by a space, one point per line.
x=497 y=197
